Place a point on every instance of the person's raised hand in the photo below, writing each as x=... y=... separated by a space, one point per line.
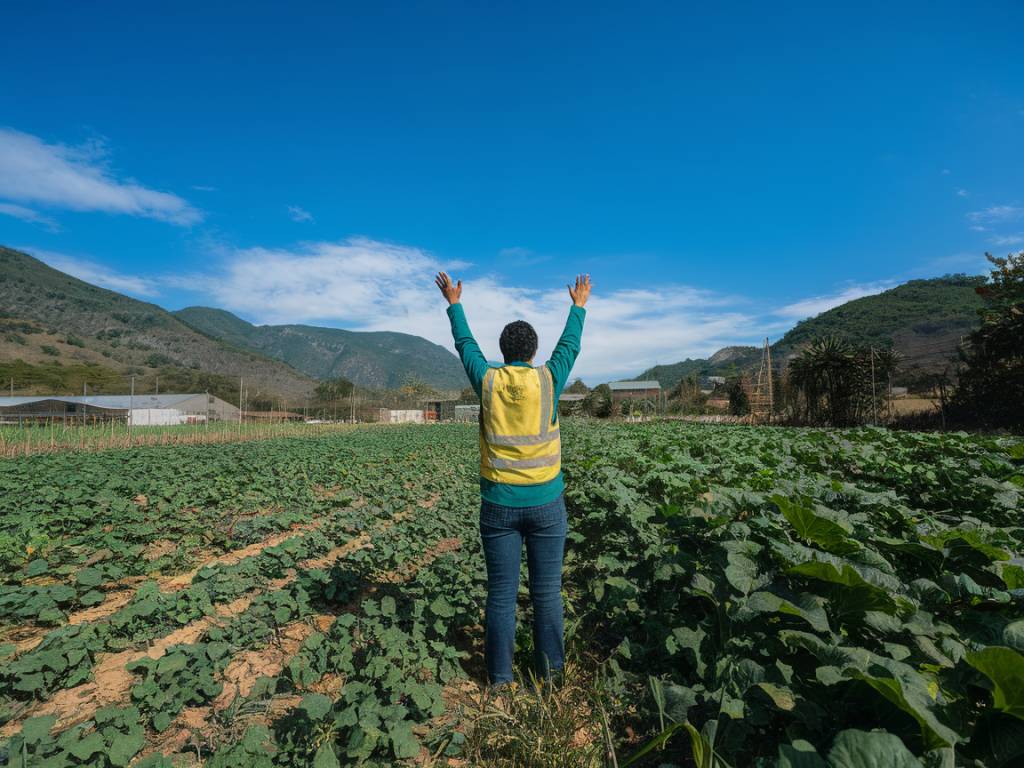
x=451 y=291
x=581 y=291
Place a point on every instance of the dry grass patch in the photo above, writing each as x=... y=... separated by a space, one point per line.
x=532 y=725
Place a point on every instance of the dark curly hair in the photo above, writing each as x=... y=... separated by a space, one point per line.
x=518 y=342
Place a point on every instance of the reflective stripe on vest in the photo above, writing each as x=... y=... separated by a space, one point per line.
x=541 y=461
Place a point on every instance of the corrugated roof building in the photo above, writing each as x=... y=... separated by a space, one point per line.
x=115 y=406
x=635 y=390
x=633 y=386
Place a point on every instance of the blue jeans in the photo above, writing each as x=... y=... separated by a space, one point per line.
x=503 y=530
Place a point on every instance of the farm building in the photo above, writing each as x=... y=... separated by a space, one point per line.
x=635 y=390
x=141 y=410
x=467 y=412
x=398 y=416
x=439 y=410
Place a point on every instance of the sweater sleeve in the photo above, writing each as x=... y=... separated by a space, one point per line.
x=567 y=350
x=473 y=359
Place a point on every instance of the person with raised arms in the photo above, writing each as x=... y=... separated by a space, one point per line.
x=521 y=485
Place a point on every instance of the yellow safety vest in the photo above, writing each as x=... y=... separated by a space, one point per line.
x=519 y=442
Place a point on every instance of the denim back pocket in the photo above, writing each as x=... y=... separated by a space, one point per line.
x=495 y=516
x=551 y=513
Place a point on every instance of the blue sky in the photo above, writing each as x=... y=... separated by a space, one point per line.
x=721 y=170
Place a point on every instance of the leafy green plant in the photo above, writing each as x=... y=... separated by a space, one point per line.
x=111 y=739
x=184 y=676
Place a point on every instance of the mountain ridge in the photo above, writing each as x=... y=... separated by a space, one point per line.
x=376 y=359
x=922 y=319
x=56 y=329
x=60 y=334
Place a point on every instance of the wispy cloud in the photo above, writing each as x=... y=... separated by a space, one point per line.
x=299 y=214
x=203 y=188
x=961 y=193
x=515 y=252
x=78 y=179
x=517 y=256
x=369 y=285
x=971 y=262
x=815 y=305
x=29 y=215
x=95 y=273
x=997 y=214
x=1005 y=240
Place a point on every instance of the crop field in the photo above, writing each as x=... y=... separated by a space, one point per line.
x=53 y=436
x=735 y=596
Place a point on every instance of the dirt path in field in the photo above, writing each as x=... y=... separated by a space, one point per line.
x=111 y=682
x=28 y=638
x=197 y=724
x=183 y=580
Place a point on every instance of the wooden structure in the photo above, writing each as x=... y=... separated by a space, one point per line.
x=271 y=416
x=762 y=395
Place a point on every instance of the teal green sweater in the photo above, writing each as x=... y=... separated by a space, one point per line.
x=560 y=365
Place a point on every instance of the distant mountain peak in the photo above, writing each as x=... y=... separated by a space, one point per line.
x=729 y=354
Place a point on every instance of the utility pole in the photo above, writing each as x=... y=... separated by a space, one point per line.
x=131 y=408
x=874 y=396
x=888 y=405
x=12 y=386
x=771 y=391
x=158 y=384
x=239 y=401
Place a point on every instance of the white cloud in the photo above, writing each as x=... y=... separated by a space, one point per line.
x=203 y=188
x=368 y=285
x=29 y=215
x=1014 y=239
x=945 y=171
x=299 y=214
x=961 y=193
x=997 y=214
x=817 y=304
x=978 y=228
x=77 y=178
x=97 y=274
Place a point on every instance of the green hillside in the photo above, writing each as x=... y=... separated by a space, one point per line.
x=916 y=317
x=58 y=333
x=922 y=319
x=379 y=359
